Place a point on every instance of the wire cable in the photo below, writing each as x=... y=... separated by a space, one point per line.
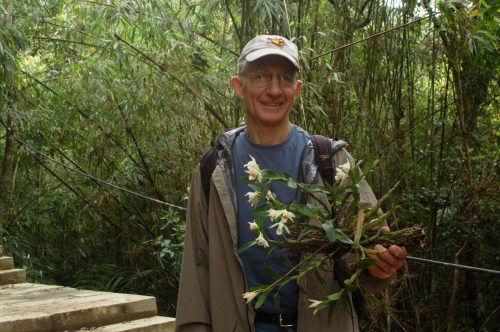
x=99 y=180
x=452 y=265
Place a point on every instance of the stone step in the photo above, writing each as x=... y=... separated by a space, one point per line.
x=12 y=276
x=30 y=307
x=6 y=263
x=151 y=324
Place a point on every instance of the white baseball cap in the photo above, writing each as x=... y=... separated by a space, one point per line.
x=263 y=45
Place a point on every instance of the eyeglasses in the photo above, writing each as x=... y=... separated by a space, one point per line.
x=261 y=78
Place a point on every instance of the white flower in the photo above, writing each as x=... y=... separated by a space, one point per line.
x=346 y=167
x=286 y=215
x=261 y=241
x=253 y=170
x=272 y=213
x=281 y=227
x=253 y=198
x=342 y=172
x=253 y=226
x=270 y=196
x=314 y=305
x=283 y=214
x=249 y=296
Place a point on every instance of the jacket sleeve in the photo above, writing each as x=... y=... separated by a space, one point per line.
x=193 y=310
x=348 y=264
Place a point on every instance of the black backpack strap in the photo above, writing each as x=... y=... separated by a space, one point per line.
x=207 y=166
x=324 y=149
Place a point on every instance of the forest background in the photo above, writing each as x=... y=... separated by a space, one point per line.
x=102 y=95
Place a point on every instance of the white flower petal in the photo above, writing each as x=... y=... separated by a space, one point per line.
x=287 y=215
x=253 y=198
x=341 y=175
x=315 y=304
x=261 y=241
x=346 y=167
x=253 y=226
x=249 y=296
x=253 y=170
x=273 y=214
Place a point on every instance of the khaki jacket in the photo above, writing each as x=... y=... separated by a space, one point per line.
x=212 y=280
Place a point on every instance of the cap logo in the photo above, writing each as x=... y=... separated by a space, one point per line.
x=280 y=42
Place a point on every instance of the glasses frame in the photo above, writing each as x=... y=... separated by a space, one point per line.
x=268 y=77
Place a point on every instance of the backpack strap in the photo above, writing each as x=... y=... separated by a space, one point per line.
x=324 y=149
x=207 y=166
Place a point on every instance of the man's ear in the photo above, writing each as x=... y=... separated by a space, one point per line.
x=237 y=84
x=298 y=88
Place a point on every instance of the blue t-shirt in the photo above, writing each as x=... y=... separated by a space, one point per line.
x=280 y=158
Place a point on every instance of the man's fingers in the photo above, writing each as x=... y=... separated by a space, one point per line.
x=388 y=261
x=377 y=272
x=385 y=229
x=397 y=251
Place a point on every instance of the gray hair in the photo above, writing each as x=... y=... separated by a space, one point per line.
x=242 y=63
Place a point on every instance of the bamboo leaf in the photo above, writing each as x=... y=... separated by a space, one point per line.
x=329 y=231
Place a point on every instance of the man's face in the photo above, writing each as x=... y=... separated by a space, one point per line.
x=267 y=104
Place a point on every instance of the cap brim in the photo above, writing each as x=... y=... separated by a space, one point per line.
x=252 y=56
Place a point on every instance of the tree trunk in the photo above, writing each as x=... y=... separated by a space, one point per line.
x=7 y=173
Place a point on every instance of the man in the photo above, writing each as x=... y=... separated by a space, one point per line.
x=214 y=276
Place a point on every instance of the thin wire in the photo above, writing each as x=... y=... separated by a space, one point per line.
x=456 y=266
x=99 y=180
x=370 y=37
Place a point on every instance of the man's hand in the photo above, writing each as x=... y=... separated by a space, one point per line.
x=388 y=260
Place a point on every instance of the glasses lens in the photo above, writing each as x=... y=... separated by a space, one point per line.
x=263 y=78
x=287 y=79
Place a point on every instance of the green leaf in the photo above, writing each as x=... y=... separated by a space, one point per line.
x=321 y=280
x=364 y=263
x=304 y=233
x=271 y=175
x=336 y=296
x=260 y=301
x=309 y=211
x=246 y=246
x=329 y=231
x=343 y=237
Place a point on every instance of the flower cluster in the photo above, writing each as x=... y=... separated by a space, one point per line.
x=340 y=225
x=280 y=217
x=342 y=172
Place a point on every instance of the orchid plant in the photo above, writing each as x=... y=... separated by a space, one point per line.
x=333 y=225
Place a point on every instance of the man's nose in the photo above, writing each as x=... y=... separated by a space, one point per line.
x=275 y=85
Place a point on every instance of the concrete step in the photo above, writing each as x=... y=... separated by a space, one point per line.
x=12 y=276
x=31 y=308
x=6 y=263
x=151 y=324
